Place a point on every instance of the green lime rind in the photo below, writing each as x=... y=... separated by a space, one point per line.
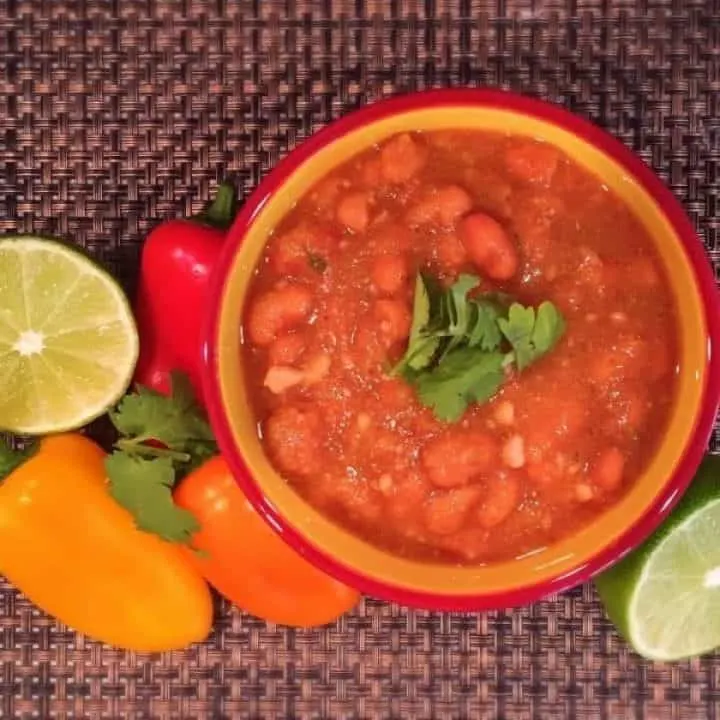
x=664 y=598
x=68 y=339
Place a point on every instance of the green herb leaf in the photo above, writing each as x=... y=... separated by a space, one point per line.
x=518 y=329
x=175 y=421
x=485 y=332
x=423 y=352
x=460 y=346
x=144 y=487
x=466 y=375
x=460 y=310
x=161 y=440
x=549 y=328
x=421 y=309
x=11 y=459
x=421 y=346
x=459 y=303
x=532 y=334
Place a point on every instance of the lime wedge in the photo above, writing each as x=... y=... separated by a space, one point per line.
x=665 y=597
x=68 y=341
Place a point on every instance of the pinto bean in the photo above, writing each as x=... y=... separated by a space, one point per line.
x=469 y=543
x=502 y=493
x=286 y=349
x=401 y=159
x=394 y=319
x=353 y=211
x=290 y=253
x=446 y=511
x=277 y=311
x=451 y=253
x=453 y=459
x=389 y=273
x=294 y=437
x=316 y=368
x=489 y=246
x=442 y=206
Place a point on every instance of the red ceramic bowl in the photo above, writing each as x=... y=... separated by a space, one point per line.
x=569 y=561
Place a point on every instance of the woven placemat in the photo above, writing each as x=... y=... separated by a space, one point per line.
x=116 y=113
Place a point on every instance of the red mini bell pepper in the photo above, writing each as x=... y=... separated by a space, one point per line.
x=177 y=260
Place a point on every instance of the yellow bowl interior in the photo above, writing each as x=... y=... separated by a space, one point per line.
x=564 y=556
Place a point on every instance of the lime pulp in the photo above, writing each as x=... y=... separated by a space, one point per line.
x=68 y=340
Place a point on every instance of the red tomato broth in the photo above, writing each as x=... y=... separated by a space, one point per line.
x=355 y=443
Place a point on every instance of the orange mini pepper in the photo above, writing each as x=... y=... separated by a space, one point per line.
x=74 y=552
x=246 y=561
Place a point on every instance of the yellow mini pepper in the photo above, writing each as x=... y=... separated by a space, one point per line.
x=76 y=553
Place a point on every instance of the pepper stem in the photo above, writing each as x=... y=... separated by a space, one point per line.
x=220 y=211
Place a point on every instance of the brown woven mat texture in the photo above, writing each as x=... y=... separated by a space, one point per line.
x=117 y=113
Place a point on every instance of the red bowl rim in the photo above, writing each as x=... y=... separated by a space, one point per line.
x=675 y=484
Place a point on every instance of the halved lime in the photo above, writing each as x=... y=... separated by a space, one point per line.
x=665 y=597
x=68 y=341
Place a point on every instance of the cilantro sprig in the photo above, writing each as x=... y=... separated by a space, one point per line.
x=161 y=439
x=462 y=343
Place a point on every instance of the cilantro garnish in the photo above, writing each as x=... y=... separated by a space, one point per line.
x=144 y=487
x=162 y=438
x=531 y=333
x=13 y=458
x=464 y=376
x=461 y=344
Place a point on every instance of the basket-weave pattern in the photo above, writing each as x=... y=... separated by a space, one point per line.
x=116 y=113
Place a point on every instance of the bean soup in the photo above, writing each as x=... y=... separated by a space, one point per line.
x=502 y=467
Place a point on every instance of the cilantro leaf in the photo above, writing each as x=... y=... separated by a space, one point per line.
x=421 y=345
x=174 y=421
x=423 y=352
x=144 y=488
x=437 y=316
x=460 y=310
x=460 y=346
x=161 y=440
x=459 y=305
x=549 y=328
x=11 y=459
x=518 y=329
x=466 y=375
x=532 y=334
x=421 y=308
x=484 y=332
